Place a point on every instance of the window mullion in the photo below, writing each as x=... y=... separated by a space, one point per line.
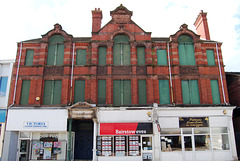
x=121 y=44
x=55 y=54
x=122 y=92
x=190 y=91
x=52 y=93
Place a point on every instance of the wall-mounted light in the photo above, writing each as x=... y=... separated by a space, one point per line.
x=37 y=98
x=149 y=116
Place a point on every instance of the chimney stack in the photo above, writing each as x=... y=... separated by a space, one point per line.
x=96 y=19
x=201 y=25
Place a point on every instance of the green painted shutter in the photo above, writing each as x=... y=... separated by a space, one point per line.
x=25 y=92
x=116 y=92
x=126 y=54
x=190 y=54
x=210 y=57
x=51 y=54
x=215 y=92
x=117 y=54
x=194 y=92
x=162 y=57
x=185 y=92
x=182 y=54
x=101 y=91
x=79 y=91
x=164 y=91
x=81 y=57
x=47 y=94
x=142 y=92
x=29 y=57
x=57 y=92
x=127 y=92
x=102 y=53
x=141 y=55
x=60 y=54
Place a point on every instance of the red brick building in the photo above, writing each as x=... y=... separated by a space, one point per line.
x=121 y=69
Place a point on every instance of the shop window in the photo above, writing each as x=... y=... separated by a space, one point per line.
x=3 y=86
x=121 y=92
x=101 y=91
x=48 y=147
x=142 y=92
x=210 y=57
x=164 y=94
x=119 y=145
x=161 y=57
x=141 y=55
x=79 y=91
x=190 y=92
x=202 y=142
x=186 y=50
x=55 y=53
x=81 y=57
x=215 y=92
x=102 y=54
x=52 y=92
x=25 y=92
x=220 y=140
x=121 y=50
x=29 y=57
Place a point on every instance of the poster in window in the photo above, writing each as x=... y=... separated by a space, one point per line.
x=47 y=144
x=57 y=144
x=56 y=150
x=36 y=145
x=47 y=153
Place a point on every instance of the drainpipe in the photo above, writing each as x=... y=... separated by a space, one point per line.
x=220 y=73
x=16 y=78
x=170 y=73
x=72 y=74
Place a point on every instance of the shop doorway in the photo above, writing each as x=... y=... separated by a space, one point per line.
x=24 y=150
x=83 y=139
x=188 y=148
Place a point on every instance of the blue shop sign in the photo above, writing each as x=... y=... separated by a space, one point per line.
x=35 y=124
x=2 y=115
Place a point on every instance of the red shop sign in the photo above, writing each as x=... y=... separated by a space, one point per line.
x=125 y=128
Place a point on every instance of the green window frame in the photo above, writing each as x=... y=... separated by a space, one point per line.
x=122 y=92
x=102 y=55
x=215 y=92
x=164 y=94
x=190 y=92
x=121 y=50
x=142 y=92
x=79 y=91
x=3 y=85
x=52 y=92
x=141 y=55
x=101 y=91
x=81 y=57
x=162 y=57
x=55 y=54
x=29 y=57
x=186 y=50
x=210 y=57
x=25 y=92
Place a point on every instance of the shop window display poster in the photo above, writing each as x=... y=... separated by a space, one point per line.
x=56 y=150
x=36 y=145
x=47 y=153
x=57 y=144
x=47 y=144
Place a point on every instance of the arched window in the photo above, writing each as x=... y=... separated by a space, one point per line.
x=186 y=50
x=121 y=50
x=55 y=50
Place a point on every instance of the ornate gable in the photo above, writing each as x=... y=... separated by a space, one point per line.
x=121 y=15
x=57 y=31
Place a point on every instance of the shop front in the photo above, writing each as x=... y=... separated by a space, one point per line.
x=36 y=134
x=128 y=138
x=189 y=136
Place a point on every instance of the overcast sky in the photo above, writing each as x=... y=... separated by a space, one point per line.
x=29 y=19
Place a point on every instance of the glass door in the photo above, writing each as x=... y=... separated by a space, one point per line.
x=188 y=148
x=24 y=150
x=147 y=148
